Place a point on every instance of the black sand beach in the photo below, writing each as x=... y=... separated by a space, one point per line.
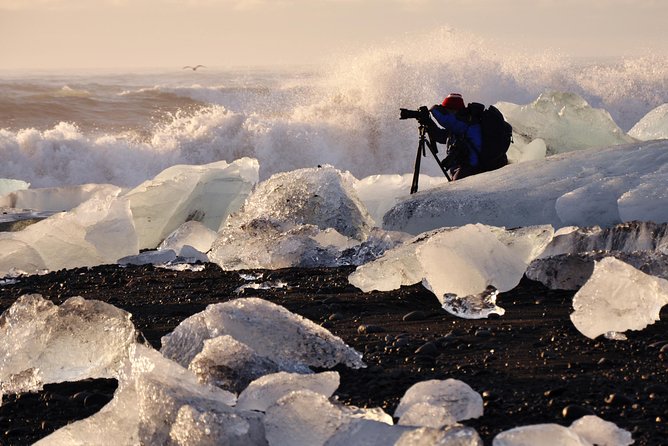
x=531 y=365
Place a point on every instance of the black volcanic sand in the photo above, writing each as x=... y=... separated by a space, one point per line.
x=531 y=365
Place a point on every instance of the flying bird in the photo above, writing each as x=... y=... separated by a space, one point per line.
x=194 y=68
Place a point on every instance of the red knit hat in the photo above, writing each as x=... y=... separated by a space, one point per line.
x=454 y=101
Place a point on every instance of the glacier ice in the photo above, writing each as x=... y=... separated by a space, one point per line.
x=322 y=196
x=380 y=192
x=191 y=233
x=617 y=298
x=586 y=431
x=230 y=364
x=99 y=231
x=626 y=237
x=457 y=262
x=152 y=391
x=302 y=418
x=571 y=271
x=76 y=340
x=599 y=431
x=565 y=121
x=568 y=261
x=654 y=125
x=302 y=218
x=438 y=403
x=63 y=198
x=9 y=185
x=540 y=435
x=291 y=341
x=207 y=193
x=526 y=194
x=265 y=391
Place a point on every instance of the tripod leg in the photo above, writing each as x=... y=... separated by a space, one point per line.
x=416 y=172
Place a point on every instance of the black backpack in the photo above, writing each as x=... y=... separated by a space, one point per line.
x=497 y=134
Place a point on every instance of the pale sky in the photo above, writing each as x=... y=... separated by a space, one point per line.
x=58 y=34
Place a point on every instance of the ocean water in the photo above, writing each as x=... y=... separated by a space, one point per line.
x=124 y=127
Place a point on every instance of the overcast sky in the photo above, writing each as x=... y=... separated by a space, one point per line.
x=56 y=34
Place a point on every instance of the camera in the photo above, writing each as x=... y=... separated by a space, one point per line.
x=421 y=114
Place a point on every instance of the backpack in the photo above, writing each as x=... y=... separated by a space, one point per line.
x=497 y=135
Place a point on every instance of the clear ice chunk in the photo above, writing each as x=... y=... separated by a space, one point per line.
x=617 y=298
x=265 y=391
x=272 y=331
x=77 y=340
x=452 y=401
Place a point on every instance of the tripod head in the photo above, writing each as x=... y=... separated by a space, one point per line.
x=426 y=141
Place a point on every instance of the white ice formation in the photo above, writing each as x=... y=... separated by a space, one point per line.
x=76 y=340
x=617 y=298
x=458 y=263
x=267 y=390
x=568 y=261
x=9 y=185
x=586 y=431
x=98 y=231
x=654 y=125
x=60 y=199
x=289 y=340
x=306 y=217
x=437 y=404
x=565 y=121
x=585 y=188
x=181 y=193
x=191 y=233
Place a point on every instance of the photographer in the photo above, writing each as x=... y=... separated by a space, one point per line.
x=461 y=135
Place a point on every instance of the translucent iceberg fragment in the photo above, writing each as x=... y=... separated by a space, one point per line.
x=206 y=193
x=449 y=436
x=599 y=431
x=457 y=261
x=229 y=364
x=149 y=258
x=191 y=233
x=265 y=391
x=322 y=196
x=380 y=192
x=291 y=341
x=151 y=392
x=565 y=121
x=265 y=244
x=302 y=218
x=193 y=427
x=494 y=197
x=77 y=340
x=303 y=418
x=617 y=298
x=64 y=198
x=437 y=403
x=98 y=231
x=540 y=435
x=654 y=125
x=624 y=237
x=571 y=271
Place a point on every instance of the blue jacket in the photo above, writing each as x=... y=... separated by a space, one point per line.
x=470 y=133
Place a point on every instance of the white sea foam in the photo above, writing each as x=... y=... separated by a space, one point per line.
x=344 y=114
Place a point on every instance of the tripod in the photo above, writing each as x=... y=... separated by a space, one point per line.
x=421 y=151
